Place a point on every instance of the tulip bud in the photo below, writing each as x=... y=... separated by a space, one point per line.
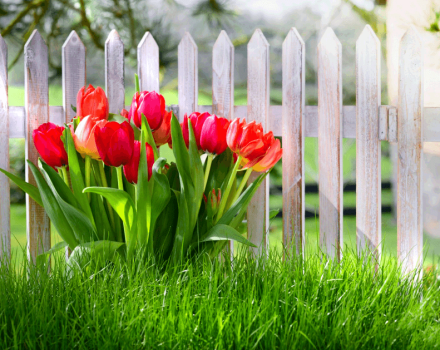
x=151 y=104
x=84 y=137
x=213 y=135
x=124 y=113
x=213 y=199
x=47 y=141
x=131 y=169
x=92 y=102
x=115 y=143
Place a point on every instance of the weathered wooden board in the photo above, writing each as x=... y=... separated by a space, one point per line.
x=5 y=214
x=114 y=72
x=258 y=110
x=148 y=63
x=223 y=86
x=383 y=123
x=74 y=72
x=223 y=77
x=392 y=124
x=368 y=151
x=37 y=113
x=409 y=149
x=293 y=142
x=330 y=143
x=188 y=76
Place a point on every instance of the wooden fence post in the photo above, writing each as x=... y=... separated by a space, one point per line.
x=73 y=55
x=114 y=72
x=223 y=85
x=409 y=149
x=293 y=142
x=37 y=113
x=258 y=110
x=188 y=76
x=368 y=152
x=5 y=214
x=330 y=143
x=148 y=63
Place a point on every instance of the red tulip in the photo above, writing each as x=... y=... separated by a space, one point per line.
x=115 y=143
x=197 y=121
x=47 y=141
x=163 y=134
x=247 y=140
x=84 y=137
x=151 y=104
x=272 y=156
x=213 y=135
x=132 y=167
x=92 y=102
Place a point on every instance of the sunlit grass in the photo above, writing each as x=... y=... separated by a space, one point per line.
x=262 y=304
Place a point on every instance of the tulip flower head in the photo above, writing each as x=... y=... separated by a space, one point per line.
x=124 y=113
x=163 y=134
x=84 y=137
x=197 y=121
x=132 y=167
x=92 y=102
x=213 y=135
x=268 y=160
x=213 y=199
x=47 y=141
x=115 y=143
x=151 y=104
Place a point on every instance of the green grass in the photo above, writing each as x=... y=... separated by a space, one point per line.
x=259 y=305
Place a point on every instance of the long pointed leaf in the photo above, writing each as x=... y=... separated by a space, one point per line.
x=31 y=190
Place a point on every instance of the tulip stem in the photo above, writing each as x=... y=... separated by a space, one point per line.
x=242 y=184
x=105 y=184
x=65 y=176
x=208 y=169
x=121 y=187
x=231 y=182
x=88 y=171
x=136 y=82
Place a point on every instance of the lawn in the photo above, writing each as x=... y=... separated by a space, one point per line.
x=311 y=304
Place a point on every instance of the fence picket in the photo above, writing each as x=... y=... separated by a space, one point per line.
x=330 y=143
x=188 y=76
x=409 y=148
x=368 y=151
x=148 y=63
x=293 y=142
x=258 y=110
x=37 y=113
x=5 y=214
x=223 y=85
x=74 y=72
x=114 y=72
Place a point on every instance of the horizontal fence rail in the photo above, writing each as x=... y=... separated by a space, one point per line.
x=369 y=122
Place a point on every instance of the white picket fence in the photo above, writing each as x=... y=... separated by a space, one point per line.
x=330 y=121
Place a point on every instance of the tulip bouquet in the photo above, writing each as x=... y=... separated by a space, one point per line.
x=109 y=194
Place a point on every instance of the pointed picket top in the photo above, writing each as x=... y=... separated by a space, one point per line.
x=73 y=40
x=293 y=37
x=258 y=39
x=74 y=72
x=411 y=39
x=114 y=72
x=188 y=41
x=368 y=35
x=223 y=77
x=187 y=75
x=329 y=42
x=35 y=40
x=148 y=63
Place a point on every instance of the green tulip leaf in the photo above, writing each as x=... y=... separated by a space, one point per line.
x=31 y=190
x=223 y=233
x=161 y=191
